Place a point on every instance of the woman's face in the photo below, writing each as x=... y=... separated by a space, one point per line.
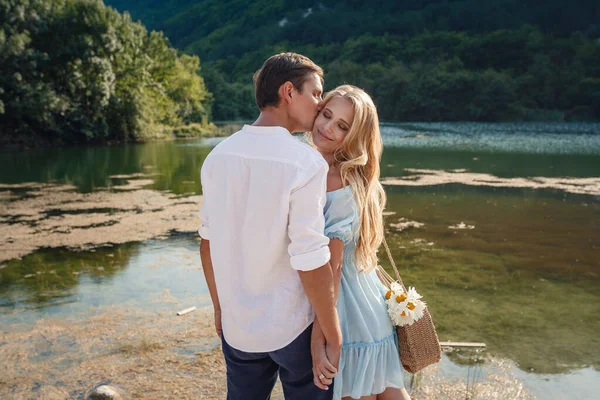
x=332 y=124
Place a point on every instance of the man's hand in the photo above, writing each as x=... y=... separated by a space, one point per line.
x=323 y=370
x=209 y=274
x=218 y=326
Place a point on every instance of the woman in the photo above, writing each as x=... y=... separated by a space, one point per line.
x=346 y=133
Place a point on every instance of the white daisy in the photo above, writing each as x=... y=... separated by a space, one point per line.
x=404 y=308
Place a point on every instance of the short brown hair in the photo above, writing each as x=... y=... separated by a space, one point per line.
x=279 y=69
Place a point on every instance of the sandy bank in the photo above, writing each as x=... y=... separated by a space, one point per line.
x=162 y=356
x=428 y=177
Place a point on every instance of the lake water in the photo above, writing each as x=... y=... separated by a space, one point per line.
x=497 y=225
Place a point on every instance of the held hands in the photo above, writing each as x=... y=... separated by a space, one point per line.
x=326 y=359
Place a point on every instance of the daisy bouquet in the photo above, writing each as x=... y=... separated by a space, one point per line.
x=404 y=307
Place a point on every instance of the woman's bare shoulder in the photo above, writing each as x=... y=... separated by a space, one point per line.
x=334 y=179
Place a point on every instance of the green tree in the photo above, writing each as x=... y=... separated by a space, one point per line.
x=76 y=71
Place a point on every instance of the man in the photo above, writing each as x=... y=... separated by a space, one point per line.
x=264 y=255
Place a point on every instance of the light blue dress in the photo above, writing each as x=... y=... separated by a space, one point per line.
x=369 y=361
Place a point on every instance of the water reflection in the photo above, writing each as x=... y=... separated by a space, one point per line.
x=524 y=279
x=51 y=277
x=177 y=164
x=177 y=167
x=514 y=281
x=59 y=282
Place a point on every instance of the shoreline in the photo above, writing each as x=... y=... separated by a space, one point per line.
x=9 y=148
x=226 y=128
x=160 y=355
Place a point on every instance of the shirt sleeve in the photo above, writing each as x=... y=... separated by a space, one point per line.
x=309 y=247
x=205 y=208
x=338 y=222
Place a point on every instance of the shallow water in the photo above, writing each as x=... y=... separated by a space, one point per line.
x=515 y=266
x=60 y=283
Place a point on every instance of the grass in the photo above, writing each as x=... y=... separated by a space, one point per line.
x=143 y=346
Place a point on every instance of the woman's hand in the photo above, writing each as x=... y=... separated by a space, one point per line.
x=323 y=370
x=333 y=354
x=218 y=326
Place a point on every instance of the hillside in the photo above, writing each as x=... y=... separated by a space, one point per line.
x=216 y=29
x=426 y=60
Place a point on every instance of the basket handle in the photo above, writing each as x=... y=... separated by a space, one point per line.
x=383 y=275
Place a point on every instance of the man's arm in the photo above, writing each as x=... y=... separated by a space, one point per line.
x=336 y=247
x=309 y=251
x=326 y=359
x=320 y=289
x=209 y=275
x=204 y=232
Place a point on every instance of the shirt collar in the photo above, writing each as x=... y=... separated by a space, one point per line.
x=268 y=130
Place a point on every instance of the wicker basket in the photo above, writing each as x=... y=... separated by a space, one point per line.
x=418 y=343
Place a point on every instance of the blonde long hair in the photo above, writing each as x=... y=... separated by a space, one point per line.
x=358 y=159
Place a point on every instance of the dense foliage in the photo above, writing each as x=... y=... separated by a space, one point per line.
x=77 y=71
x=216 y=29
x=434 y=60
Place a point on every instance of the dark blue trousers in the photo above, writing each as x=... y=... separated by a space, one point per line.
x=251 y=376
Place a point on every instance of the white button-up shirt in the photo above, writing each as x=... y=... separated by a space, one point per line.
x=264 y=194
